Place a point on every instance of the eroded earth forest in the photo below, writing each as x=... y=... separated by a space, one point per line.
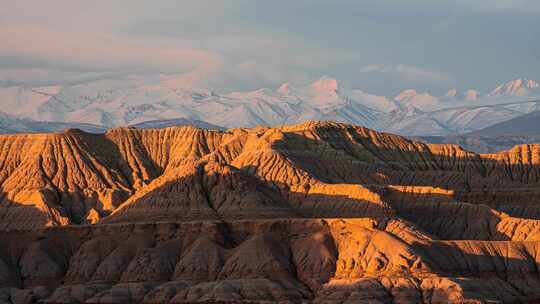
x=319 y=212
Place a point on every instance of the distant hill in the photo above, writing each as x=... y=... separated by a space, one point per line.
x=11 y=124
x=502 y=136
x=526 y=125
x=164 y=123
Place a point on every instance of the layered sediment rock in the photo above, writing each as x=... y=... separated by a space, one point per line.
x=263 y=260
x=319 y=212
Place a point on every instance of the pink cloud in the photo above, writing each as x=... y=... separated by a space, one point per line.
x=90 y=50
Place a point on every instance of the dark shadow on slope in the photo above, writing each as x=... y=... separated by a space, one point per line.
x=35 y=257
x=489 y=271
x=236 y=195
x=31 y=214
x=33 y=251
x=200 y=193
x=304 y=252
x=346 y=157
x=52 y=207
x=98 y=155
x=440 y=215
x=401 y=164
x=107 y=151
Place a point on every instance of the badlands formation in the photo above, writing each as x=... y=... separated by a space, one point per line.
x=319 y=212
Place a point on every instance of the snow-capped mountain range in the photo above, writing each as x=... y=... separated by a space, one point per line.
x=122 y=102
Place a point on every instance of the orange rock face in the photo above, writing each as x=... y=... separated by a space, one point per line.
x=314 y=213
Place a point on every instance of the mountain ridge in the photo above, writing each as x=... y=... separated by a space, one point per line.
x=127 y=102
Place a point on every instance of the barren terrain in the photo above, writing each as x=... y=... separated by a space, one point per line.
x=319 y=212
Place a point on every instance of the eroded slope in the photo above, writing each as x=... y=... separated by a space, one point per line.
x=320 y=212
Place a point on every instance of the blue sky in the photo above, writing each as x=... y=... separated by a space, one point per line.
x=380 y=46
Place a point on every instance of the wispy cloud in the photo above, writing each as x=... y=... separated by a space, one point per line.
x=99 y=51
x=235 y=61
x=407 y=72
x=45 y=76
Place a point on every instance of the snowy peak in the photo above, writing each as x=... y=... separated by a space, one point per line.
x=419 y=100
x=518 y=87
x=119 y=102
x=284 y=89
x=406 y=95
x=325 y=84
x=451 y=93
x=469 y=95
x=408 y=110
